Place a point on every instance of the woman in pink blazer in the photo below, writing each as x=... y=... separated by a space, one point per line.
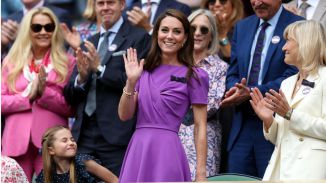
x=33 y=76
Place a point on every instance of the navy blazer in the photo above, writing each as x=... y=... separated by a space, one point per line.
x=164 y=4
x=275 y=70
x=62 y=15
x=109 y=87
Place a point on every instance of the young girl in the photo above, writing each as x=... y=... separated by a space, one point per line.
x=61 y=163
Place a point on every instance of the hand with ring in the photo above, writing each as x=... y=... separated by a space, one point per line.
x=42 y=81
x=277 y=102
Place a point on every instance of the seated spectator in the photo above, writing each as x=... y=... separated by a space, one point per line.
x=61 y=164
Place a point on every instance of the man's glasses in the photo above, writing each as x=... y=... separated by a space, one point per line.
x=203 y=29
x=38 y=27
x=212 y=2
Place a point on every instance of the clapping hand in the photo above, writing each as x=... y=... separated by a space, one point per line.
x=82 y=66
x=92 y=56
x=260 y=106
x=277 y=102
x=72 y=37
x=237 y=94
x=41 y=81
x=132 y=66
x=138 y=18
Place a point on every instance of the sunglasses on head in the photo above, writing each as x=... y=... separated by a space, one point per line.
x=222 y=2
x=47 y=27
x=203 y=29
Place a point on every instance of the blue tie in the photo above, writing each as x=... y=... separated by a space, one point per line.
x=256 y=60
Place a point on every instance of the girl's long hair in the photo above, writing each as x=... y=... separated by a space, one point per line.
x=21 y=51
x=49 y=165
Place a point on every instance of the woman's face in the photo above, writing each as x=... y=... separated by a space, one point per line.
x=221 y=6
x=171 y=36
x=202 y=33
x=41 y=32
x=64 y=145
x=291 y=52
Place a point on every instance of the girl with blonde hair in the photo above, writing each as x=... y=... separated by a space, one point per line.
x=62 y=164
x=33 y=77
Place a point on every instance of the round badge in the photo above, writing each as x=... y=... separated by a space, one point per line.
x=276 y=39
x=306 y=90
x=113 y=47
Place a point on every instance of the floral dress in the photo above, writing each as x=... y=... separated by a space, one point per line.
x=216 y=69
x=11 y=172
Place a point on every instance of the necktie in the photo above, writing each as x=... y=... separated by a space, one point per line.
x=256 y=60
x=91 y=97
x=149 y=9
x=303 y=9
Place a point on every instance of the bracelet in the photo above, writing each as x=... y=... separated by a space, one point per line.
x=128 y=94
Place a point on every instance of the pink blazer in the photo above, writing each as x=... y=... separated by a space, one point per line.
x=25 y=121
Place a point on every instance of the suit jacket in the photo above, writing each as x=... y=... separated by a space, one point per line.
x=164 y=4
x=109 y=87
x=320 y=13
x=62 y=15
x=300 y=144
x=25 y=121
x=274 y=71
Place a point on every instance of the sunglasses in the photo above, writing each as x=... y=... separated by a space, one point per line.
x=203 y=30
x=212 y=2
x=47 y=27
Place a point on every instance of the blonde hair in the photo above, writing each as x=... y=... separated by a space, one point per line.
x=48 y=161
x=311 y=39
x=213 y=45
x=90 y=13
x=21 y=51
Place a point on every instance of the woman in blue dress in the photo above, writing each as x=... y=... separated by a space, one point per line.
x=161 y=90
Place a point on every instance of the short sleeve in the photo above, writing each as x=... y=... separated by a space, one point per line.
x=198 y=87
x=82 y=174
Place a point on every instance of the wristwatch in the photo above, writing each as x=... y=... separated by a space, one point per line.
x=288 y=114
x=224 y=41
x=99 y=70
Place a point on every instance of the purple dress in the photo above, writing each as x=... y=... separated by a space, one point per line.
x=155 y=152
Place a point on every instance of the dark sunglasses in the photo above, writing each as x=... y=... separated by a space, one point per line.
x=203 y=30
x=38 y=27
x=222 y=2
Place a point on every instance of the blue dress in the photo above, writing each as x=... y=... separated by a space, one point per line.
x=155 y=152
x=81 y=174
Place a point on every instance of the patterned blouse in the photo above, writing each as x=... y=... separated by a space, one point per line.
x=11 y=172
x=216 y=69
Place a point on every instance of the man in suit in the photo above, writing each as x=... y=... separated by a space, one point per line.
x=97 y=83
x=9 y=26
x=145 y=12
x=257 y=60
x=316 y=9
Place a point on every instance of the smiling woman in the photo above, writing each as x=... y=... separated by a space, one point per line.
x=162 y=94
x=34 y=74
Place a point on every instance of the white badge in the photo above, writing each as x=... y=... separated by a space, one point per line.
x=276 y=39
x=113 y=47
x=306 y=90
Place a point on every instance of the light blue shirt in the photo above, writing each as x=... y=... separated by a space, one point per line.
x=268 y=38
x=113 y=32
x=154 y=6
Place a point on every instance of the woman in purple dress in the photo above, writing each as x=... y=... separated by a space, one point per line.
x=161 y=91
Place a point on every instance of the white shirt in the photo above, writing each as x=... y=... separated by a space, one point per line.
x=311 y=9
x=154 y=6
